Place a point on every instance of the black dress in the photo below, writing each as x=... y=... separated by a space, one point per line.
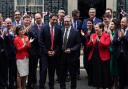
x=99 y=71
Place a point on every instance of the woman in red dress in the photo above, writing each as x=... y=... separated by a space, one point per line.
x=22 y=45
x=99 y=58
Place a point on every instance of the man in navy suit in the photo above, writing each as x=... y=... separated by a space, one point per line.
x=120 y=43
x=70 y=47
x=3 y=57
x=10 y=65
x=50 y=43
x=61 y=14
x=77 y=24
x=34 y=51
x=92 y=15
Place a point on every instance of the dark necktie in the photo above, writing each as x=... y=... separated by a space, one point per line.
x=65 y=39
x=52 y=38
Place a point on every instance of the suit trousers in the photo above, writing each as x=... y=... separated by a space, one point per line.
x=43 y=71
x=53 y=64
x=3 y=72
x=33 y=63
x=123 y=71
x=68 y=63
x=8 y=71
x=12 y=72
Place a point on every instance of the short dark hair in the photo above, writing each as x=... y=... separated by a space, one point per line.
x=125 y=17
x=75 y=12
x=19 y=28
x=106 y=15
x=90 y=19
x=51 y=15
x=26 y=16
x=101 y=25
x=109 y=9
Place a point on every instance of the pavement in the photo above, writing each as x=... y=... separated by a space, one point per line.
x=81 y=84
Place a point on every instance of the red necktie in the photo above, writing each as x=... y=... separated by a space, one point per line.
x=52 y=38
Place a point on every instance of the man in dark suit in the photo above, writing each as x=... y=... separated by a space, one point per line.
x=120 y=43
x=50 y=43
x=34 y=51
x=70 y=47
x=61 y=14
x=77 y=24
x=92 y=15
x=17 y=20
x=3 y=59
x=10 y=65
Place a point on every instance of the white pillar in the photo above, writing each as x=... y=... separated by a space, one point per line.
x=15 y=4
x=72 y=4
x=111 y=4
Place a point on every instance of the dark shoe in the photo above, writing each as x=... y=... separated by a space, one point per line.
x=67 y=79
x=57 y=80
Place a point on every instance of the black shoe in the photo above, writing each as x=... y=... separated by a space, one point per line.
x=68 y=79
x=57 y=80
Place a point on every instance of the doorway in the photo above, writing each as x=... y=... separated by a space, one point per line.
x=84 y=5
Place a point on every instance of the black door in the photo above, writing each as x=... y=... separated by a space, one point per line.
x=84 y=5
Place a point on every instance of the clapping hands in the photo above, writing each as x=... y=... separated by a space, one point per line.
x=31 y=40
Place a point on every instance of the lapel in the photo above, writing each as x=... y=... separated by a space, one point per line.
x=48 y=32
x=70 y=36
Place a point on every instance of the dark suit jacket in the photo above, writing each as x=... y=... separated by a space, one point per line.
x=45 y=39
x=79 y=25
x=84 y=25
x=9 y=46
x=34 y=33
x=62 y=25
x=120 y=44
x=73 y=43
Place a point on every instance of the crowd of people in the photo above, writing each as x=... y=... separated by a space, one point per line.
x=56 y=46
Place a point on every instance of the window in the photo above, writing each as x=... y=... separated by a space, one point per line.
x=31 y=6
x=7 y=8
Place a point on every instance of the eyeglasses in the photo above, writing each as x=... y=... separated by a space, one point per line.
x=9 y=23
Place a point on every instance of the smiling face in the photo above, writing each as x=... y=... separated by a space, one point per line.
x=8 y=22
x=67 y=22
x=112 y=26
x=89 y=25
x=53 y=20
x=38 y=18
x=98 y=29
x=27 y=21
x=124 y=22
x=17 y=16
x=21 y=32
x=92 y=13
